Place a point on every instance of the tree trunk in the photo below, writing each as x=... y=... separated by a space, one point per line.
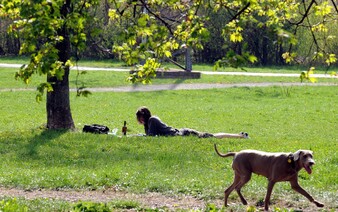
x=265 y=50
x=59 y=114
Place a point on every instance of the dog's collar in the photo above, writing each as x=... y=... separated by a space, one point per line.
x=291 y=160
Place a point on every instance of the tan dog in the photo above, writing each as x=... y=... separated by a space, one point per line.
x=276 y=167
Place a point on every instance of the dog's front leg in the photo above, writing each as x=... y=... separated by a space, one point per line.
x=295 y=186
x=268 y=195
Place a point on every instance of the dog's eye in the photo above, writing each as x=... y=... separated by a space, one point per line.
x=307 y=156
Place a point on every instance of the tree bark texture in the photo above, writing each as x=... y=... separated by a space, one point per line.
x=59 y=114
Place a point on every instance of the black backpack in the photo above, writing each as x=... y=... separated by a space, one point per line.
x=96 y=128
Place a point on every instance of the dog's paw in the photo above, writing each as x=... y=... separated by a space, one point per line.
x=319 y=204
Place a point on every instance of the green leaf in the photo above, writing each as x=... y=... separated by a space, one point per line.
x=252 y=58
x=38 y=97
x=143 y=20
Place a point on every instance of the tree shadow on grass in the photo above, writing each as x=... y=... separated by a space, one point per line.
x=169 y=86
x=46 y=136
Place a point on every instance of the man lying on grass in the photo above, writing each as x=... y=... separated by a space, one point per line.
x=153 y=126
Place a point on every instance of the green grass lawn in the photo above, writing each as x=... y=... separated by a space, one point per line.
x=278 y=118
x=302 y=118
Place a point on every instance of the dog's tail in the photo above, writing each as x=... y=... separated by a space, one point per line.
x=224 y=155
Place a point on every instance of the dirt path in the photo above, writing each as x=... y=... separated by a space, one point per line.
x=148 y=200
x=200 y=86
x=151 y=200
x=193 y=86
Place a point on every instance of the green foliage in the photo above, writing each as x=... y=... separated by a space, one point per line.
x=286 y=20
x=251 y=209
x=12 y=205
x=154 y=35
x=49 y=204
x=81 y=90
x=91 y=207
x=307 y=75
x=211 y=208
x=43 y=27
x=235 y=60
x=124 y=204
x=41 y=88
x=144 y=73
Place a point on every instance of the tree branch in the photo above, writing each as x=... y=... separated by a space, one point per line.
x=335 y=5
x=306 y=12
x=240 y=12
x=158 y=17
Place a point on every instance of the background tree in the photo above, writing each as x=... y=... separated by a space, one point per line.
x=50 y=31
x=9 y=44
x=316 y=28
x=153 y=30
x=283 y=22
x=268 y=32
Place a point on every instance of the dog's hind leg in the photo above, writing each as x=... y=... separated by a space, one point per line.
x=237 y=181
x=243 y=181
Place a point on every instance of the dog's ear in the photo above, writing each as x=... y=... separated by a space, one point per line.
x=296 y=155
